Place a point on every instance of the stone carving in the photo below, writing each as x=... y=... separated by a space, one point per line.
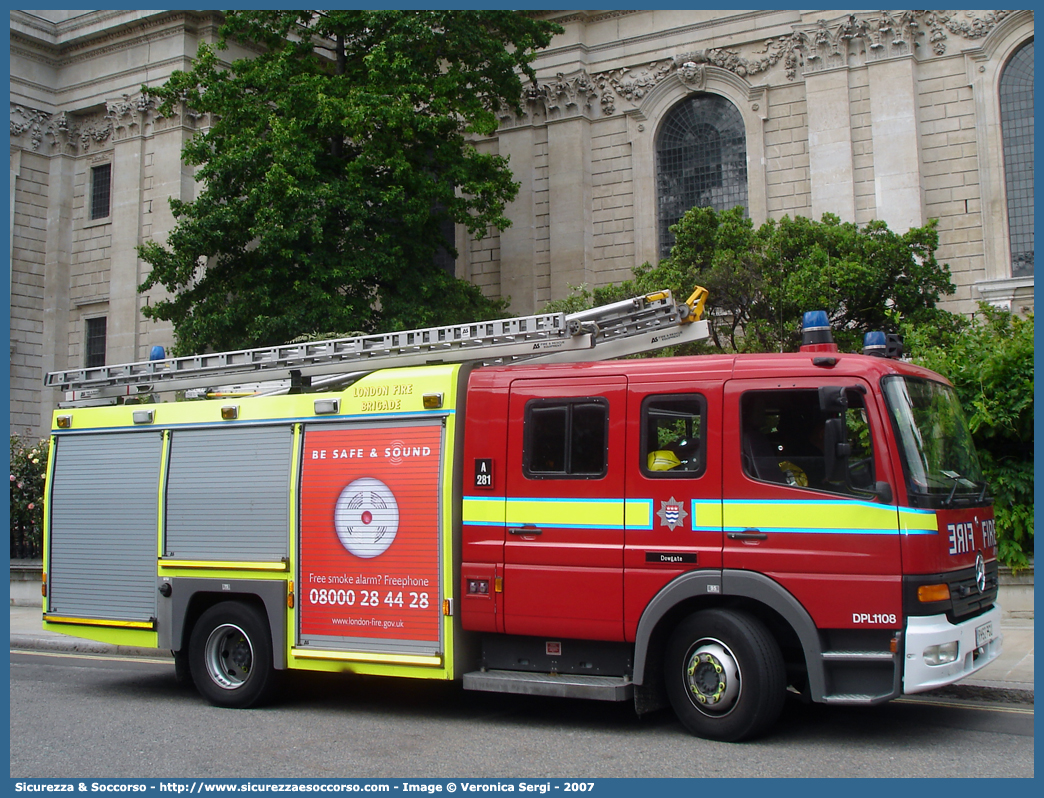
x=960 y=23
x=887 y=34
x=79 y=132
x=774 y=51
x=63 y=129
x=899 y=32
x=855 y=38
x=93 y=129
x=126 y=114
x=564 y=93
x=29 y=120
x=632 y=83
x=693 y=74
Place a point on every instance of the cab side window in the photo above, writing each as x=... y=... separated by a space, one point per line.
x=565 y=439
x=673 y=440
x=783 y=438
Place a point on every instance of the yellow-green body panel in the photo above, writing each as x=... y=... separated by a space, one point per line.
x=385 y=396
x=138 y=638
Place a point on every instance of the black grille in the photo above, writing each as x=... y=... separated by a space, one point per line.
x=965 y=595
x=965 y=599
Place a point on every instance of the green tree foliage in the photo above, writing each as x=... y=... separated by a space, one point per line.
x=28 y=467
x=334 y=159
x=989 y=359
x=762 y=280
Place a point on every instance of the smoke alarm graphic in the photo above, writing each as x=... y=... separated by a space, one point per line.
x=366 y=517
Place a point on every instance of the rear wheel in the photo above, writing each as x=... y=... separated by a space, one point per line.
x=725 y=675
x=230 y=656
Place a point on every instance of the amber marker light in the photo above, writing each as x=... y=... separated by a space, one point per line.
x=64 y=422
x=926 y=594
x=230 y=412
x=432 y=401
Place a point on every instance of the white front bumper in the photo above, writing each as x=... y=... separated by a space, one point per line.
x=931 y=630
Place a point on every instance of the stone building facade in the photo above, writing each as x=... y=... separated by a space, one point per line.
x=637 y=115
x=888 y=115
x=92 y=168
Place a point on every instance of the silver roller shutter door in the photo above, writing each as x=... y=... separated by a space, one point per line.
x=104 y=526
x=228 y=494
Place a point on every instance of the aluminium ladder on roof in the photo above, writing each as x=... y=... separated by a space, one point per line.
x=631 y=326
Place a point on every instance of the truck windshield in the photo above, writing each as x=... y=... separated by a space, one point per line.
x=938 y=455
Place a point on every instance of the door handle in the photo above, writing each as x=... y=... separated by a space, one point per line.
x=747 y=534
x=525 y=529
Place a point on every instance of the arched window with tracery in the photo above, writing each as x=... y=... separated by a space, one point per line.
x=701 y=161
x=1016 y=104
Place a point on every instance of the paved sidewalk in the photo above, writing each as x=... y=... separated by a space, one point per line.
x=1008 y=678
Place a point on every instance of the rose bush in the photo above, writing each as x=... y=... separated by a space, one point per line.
x=28 y=467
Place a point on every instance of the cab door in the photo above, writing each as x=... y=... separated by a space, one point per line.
x=563 y=560
x=831 y=539
x=675 y=470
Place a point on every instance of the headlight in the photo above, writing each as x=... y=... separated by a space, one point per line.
x=942 y=654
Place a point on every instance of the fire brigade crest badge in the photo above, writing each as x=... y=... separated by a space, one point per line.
x=671 y=513
x=366 y=517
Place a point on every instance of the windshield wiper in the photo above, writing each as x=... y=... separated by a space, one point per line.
x=963 y=482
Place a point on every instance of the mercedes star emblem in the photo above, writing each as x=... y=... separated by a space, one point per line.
x=980 y=572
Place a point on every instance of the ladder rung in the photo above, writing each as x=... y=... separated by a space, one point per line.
x=628 y=326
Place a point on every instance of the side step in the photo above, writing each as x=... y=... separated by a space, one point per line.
x=858 y=656
x=565 y=685
x=850 y=670
x=856 y=700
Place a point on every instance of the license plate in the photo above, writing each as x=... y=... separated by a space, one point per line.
x=983 y=634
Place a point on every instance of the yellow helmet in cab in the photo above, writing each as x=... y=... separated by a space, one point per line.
x=663 y=460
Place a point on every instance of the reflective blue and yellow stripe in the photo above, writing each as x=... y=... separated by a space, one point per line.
x=836 y=517
x=562 y=513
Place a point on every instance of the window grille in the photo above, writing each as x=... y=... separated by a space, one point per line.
x=1016 y=102
x=101 y=189
x=95 y=346
x=701 y=161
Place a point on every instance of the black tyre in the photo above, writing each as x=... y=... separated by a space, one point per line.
x=230 y=656
x=724 y=675
x=182 y=672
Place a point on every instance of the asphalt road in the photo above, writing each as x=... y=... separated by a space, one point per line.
x=81 y=717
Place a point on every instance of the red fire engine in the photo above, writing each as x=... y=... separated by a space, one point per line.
x=704 y=532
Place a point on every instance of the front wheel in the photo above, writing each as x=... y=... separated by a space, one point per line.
x=230 y=656
x=725 y=675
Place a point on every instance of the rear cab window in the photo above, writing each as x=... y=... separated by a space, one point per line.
x=566 y=438
x=673 y=443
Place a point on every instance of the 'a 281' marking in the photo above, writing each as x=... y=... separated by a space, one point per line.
x=865 y=617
